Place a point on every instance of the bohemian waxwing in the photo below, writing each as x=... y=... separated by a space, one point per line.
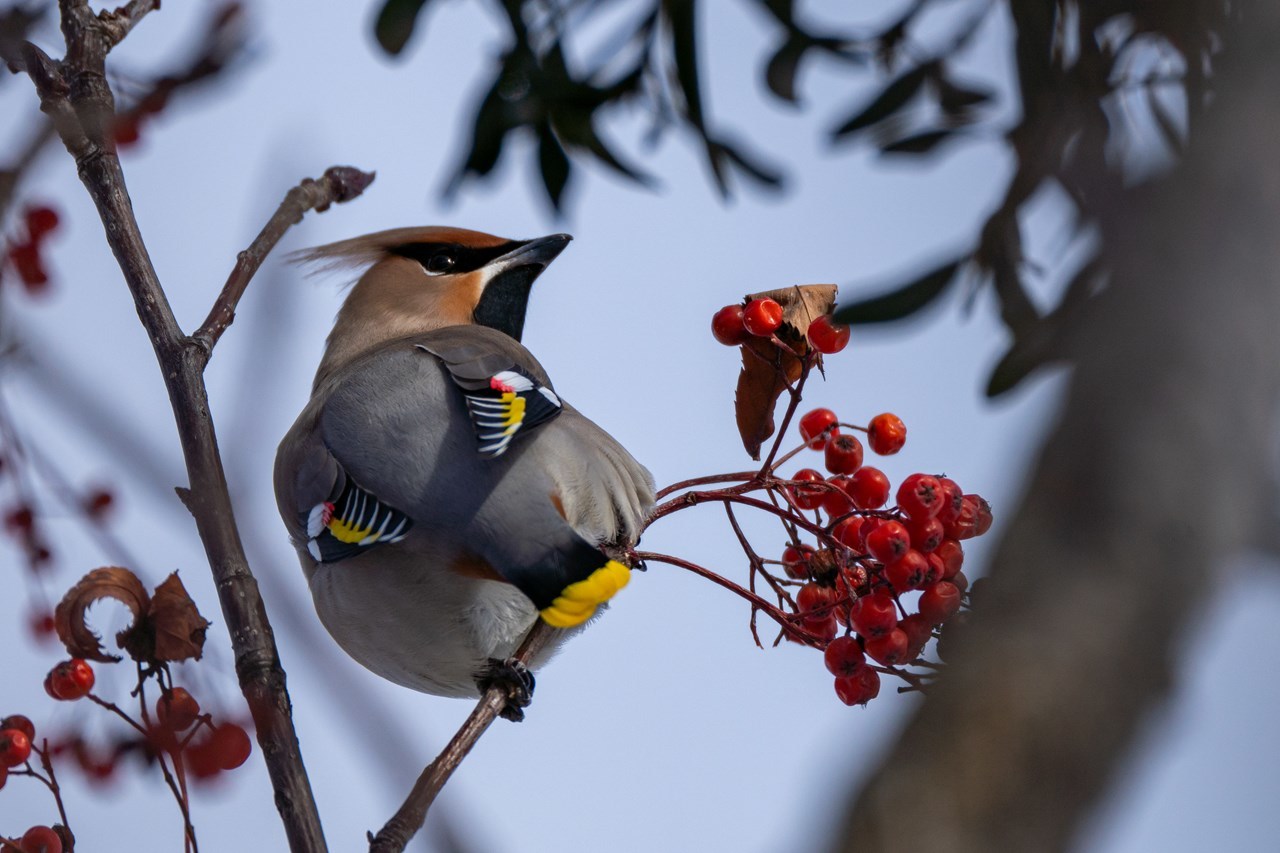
x=441 y=495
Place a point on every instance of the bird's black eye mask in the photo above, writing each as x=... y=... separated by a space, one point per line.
x=452 y=257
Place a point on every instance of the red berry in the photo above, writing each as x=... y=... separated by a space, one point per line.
x=21 y=723
x=127 y=131
x=828 y=337
x=42 y=625
x=926 y=534
x=808 y=497
x=937 y=569
x=952 y=554
x=836 y=501
x=886 y=434
x=41 y=220
x=15 y=747
x=813 y=601
x=920 y=496
x=70 y=680
x=961 y=582
x=874 y=614
x=869 y=488
x=849 y=532
x=952 y=500
x=940 y=602
x=26 y=261
x=843 y=656
x=825 y=628
x=814 y=425
x=907 y=572
x=762 y=317
x=859 y=688
x=964 y=525
x=231 y=745
x=177 y=709
x=727 y=328
x=796 y=560
x=4 y=775
x=888 y=648
x=918 y=632
x=983 y=521
x=41 y=839
x=888 y=542
x=20 y=519
x=97 y=503
x=844 y=454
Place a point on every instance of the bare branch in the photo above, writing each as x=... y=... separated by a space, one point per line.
x=393 y=837
x=337 y=185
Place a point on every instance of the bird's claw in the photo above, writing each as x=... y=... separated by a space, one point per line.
x=515 y=679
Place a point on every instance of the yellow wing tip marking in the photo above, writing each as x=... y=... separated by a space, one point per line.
x=579 y=600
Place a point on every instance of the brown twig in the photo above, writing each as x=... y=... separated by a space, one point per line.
x=75 y=94
x=338 y=184
x=393 y=837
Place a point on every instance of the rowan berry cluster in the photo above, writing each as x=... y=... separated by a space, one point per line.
x=24 y=253
x=869 y=574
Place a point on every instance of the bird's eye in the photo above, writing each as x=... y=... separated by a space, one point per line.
x=440 y=263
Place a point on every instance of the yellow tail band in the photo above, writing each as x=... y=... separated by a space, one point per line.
x=578 y=601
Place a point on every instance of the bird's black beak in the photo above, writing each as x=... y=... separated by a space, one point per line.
x=505 y=298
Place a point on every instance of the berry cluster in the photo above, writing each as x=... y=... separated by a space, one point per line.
x=17 y=743
x=869 y=574
x=24 y=254
x=868 y=557
x=734 y=325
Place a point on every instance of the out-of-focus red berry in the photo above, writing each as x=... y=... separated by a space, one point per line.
x=859 y=688
x=15 y=747
x=828 y=337
x=4 y=776
x=888 y=542
x=762 y=317
x=886 y=434
x=889 y=648
x=97 y=502
x=177 y=709
x=918 y=631
x=231 y=744
x=920 y=496
x=42 y=625
x=844 y=454
x=126 y=131
x=983 y=521
x=940 y=602
x=70 y=680
x=40 y=220
x=41 y=839
x=21 y=723
x=808 y=497
x=29 y=265
x=727 y=328
x=814 y=425
x=874 y=614
x=869 y=488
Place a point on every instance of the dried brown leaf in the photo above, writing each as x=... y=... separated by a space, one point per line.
x=764 y=365
x=108 y=582
x=177 y=625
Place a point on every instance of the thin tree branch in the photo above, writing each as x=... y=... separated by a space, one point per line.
x=393 y=837
x=338 y=184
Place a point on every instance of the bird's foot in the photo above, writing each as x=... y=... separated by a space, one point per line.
x=515 y=679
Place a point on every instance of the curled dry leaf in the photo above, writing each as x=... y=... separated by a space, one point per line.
x=178 y=627
x=764 y=366
x=108 y=582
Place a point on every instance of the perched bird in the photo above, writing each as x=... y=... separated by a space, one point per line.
x=441 y=495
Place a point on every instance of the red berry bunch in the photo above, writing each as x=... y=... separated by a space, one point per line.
x=734 y=325
x=24 y=254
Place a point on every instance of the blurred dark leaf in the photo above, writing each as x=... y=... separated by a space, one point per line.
x=920 y=143
x=1168 y=127
x=955 y=98
x=891 y=99
x=780 y=73
x=769 y=177
x=396 y=22
x=553 y=163
x=682 y=15
x=902 y=301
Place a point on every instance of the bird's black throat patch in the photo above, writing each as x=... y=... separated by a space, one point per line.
x=505 y=299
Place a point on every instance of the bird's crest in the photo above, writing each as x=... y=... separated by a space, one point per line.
x=367 y=250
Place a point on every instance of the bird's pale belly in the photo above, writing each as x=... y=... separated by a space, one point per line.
x=428 y=629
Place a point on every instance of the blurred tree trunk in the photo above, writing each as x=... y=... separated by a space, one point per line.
x=1158 y=469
